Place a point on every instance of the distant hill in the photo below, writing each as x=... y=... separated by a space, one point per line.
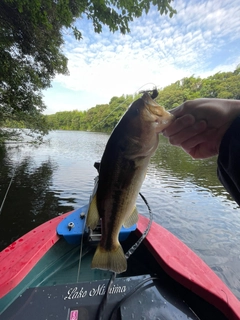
x=104 y=117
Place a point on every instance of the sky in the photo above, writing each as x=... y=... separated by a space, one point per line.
x=203 y=38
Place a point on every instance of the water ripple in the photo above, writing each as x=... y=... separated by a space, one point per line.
x=184 y=195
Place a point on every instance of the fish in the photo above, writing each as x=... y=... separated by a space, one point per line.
x=122 y=171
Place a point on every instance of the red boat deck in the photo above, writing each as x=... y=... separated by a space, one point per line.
x=184 y=266
x=23 y=254
x=177 y=260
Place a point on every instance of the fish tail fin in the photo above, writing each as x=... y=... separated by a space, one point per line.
x=113 y=260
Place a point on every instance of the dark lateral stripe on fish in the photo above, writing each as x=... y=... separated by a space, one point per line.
x=109 y=224
x=121 y=173
x=123 y=181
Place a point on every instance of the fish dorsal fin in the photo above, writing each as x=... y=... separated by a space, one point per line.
x=93 y=215
x=132 y=219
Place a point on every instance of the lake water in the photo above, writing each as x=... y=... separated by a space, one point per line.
x=184 y=194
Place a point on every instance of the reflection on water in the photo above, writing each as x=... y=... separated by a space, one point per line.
x=184 y=194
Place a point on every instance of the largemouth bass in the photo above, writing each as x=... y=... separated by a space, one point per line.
x=122 y=171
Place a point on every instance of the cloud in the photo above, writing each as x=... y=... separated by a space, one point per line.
x=158 y=51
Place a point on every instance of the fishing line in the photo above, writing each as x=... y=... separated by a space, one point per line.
x=58 y=265
x=133 y=291
x=83 y=216
x=137 y=244
x=6 y=193
x=109 y=114
x=103 y=303
x=132 y=98
x=10 y=183
x=81 y=248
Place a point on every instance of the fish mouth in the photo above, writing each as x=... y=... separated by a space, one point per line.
x=147 y=99
x=155 y=108
x=152 y=105
x=162 y=117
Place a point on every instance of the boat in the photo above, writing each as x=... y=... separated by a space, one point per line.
x=41 y=277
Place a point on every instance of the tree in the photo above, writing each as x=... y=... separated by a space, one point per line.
x=225 y=85
x=104 y=117
x=31 y=46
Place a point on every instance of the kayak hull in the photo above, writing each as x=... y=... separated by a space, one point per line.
x=41 y=263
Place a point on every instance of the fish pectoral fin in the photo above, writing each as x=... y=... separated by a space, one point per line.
x=92 y=215
x=132 y=219
x=112 y=260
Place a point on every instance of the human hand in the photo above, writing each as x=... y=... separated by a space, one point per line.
x=200 y=125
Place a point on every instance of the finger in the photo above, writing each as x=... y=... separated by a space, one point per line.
x=202 y=151
x=177 y=112
x=187 y=135
x=195 y=153
x=178 y=125
x=188 y=107
x=182 y=110
x=203 y=137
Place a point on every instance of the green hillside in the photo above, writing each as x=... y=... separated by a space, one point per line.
x=104 y=117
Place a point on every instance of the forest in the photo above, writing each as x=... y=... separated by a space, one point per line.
x=31 y=51
x=104 y=117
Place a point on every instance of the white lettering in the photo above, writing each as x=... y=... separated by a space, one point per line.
x=117 y=289
x=100 y=290
x=73 y=293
